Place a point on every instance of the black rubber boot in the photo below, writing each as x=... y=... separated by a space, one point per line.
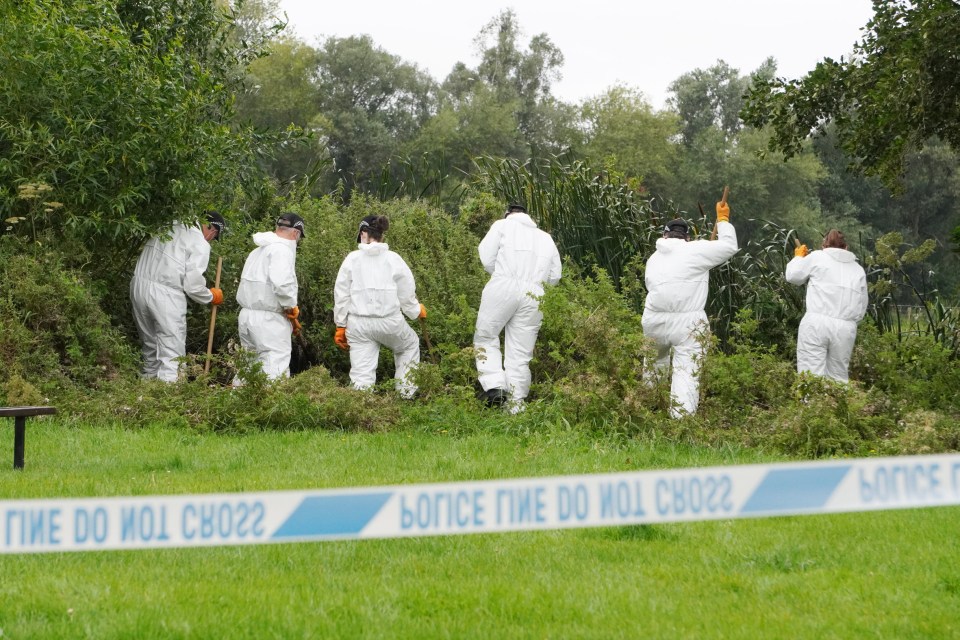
x=496 y=397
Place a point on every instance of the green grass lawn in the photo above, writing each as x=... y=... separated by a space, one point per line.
x=887 y=574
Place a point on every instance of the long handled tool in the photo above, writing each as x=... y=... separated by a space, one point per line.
x=213 y=318
x=723 y=200
x=426 y=338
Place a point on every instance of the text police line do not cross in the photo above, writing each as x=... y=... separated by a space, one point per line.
x=641 y=497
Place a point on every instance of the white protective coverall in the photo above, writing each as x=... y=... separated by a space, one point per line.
x=836 y=302
x=374 y=290
x=677 y=278
x=520 y=258
x=268 y=286
x=167 y=272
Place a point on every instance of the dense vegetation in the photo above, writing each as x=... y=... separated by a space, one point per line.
x=89 y=168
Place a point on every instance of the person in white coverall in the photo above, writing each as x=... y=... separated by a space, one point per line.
x=374 y=290
x=167 y=273
x=268 y=296
x=520 y=258
x=836 y=302
x=677 y=279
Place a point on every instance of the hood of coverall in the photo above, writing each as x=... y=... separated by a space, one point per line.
x=522 y=218
x=374 y=248
x=840 y=255
x=263 y=238
x=668 y=245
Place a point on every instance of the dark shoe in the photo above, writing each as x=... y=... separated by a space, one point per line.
x=496 y=397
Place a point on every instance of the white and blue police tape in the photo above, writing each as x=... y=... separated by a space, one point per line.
x=643 y=497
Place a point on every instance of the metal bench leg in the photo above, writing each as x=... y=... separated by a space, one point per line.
x=19 y=437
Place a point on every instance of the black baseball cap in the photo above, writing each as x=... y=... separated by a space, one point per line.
x=292 y=221
x=214 y=219
x=678 y=224
x=515 y=207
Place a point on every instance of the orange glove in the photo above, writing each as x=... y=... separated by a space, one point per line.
x=292 y=314
x=423 y=311
x=297 y=327
x=801 y=251
x=723 y=212
x=340 y=338
x=217 y=296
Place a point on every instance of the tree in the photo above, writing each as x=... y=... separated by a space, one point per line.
x=372 y=103
x=473 y=124
x=897 y=90
x=621 y=125
x=522 y=81
x=125 y=113
x=278 y=98
x=256 y=22
x=712 y=98
x=717 y=150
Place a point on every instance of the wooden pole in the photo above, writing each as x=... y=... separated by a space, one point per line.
x=426 y=338
x=213 y=318
x=726 y=192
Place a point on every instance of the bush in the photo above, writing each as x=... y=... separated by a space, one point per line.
x=826 y=418
x=591 y=351
x=915 y=369
x=17 y=392
x=752 y=377
x=312 y=400
x=52 y=328
x=927 y=432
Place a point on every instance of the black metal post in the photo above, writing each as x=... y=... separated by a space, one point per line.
x=19 y=437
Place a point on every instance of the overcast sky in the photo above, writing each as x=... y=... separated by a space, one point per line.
x=644 y=44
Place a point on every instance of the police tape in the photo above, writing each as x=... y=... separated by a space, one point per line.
x=613 y=499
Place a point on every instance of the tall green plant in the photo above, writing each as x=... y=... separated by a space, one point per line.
x=754 y=280
x=893 y=274
x=595 y=216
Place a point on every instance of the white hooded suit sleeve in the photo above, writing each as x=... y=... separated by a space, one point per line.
x=406 y=288
x=282 y=272
x=864 y=299
x=197 y=259
x=713 y=253
x=490 y=246
x=341 y=293
x=799 y=269
x=556 y=267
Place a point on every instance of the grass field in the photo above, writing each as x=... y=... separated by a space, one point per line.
x=887 y=574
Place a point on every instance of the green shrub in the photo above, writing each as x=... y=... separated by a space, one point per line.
x=17 y=392
x=752 y=377
x=311 y=400
x=591 y=351
x=928 y=432
x=915 y=369
x=52 y=327
x=827 y=418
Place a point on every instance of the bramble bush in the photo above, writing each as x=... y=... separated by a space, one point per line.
x=752 y=378
x=591 y=352
x=52 y=328
x=916 y=370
